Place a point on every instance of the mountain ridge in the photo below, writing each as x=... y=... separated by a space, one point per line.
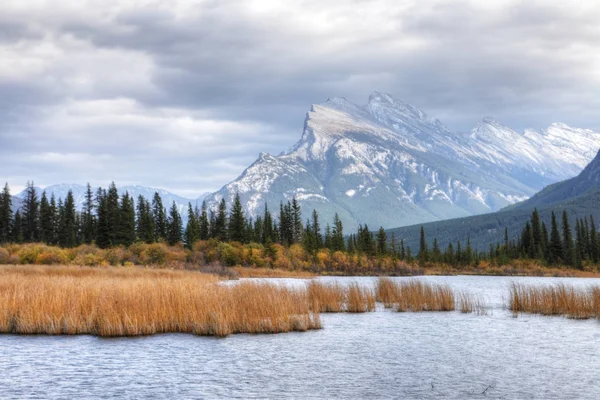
x=392 y=157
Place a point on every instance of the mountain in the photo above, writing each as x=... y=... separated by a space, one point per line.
x=580 y=196
x=389 y=164
x=79 y=191
x=588 y=180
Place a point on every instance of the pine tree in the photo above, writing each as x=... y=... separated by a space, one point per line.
x=316 y=229
x=296 y=221
x=536 y=232
x=103 y=230
x=237 y=221
x=174 y=226
x=47 y=222
x=555 y=252
x=145 y=221
x=160 y=217
x=568 y=250
x=126 y=234
x=382 y=242
x=220 y=225
x=423 y=250
x=89 y=219
x=6 y=214
x=468 y=254
x=16 y=231
x=393 y=246
x=579 y=244
x=203 y=223
x=68 y=224
x=267 y=227
x=328 y=238
x=594 y=241
x=436 y=254
x=337 y=236
x=192 y=229
x=30 y=214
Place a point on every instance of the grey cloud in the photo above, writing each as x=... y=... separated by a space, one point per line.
x=255 y=73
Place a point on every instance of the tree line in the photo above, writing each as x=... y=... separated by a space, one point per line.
x=108 y=220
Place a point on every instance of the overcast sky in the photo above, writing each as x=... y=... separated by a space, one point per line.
x=183 y=94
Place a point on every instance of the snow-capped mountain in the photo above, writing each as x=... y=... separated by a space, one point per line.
x=60 y=192
x=389 y=164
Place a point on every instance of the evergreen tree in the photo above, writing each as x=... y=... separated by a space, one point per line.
x=103 y=230
x=203 y=223
x=126 y=233
x=555 y=253
x=6 y=214
x=337 y=236
x=536 y=232
x=47 y=221
x=297 y=221
x=220 y=225
x=145 y=221
x=316 y=229
x=237 y=221
x=568 y=250
x=594 y=241
x=16 y=231
x=68 y=224
x=30 y=214
x=174 y=226
x=267 y=227
x=436 y=254
x=160 y=217
x=468 y=254
x=423 y=250
x=382 y=242
x=89 y=219
x=192 y=229
x=328 y=237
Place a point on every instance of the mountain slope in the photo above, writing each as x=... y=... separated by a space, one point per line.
x=389 y=164
x=588 y=179
x=580 y=196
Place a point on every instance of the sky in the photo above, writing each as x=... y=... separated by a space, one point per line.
x=184 y=95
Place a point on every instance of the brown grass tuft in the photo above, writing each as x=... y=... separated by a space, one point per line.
x=414 y=295
x=132 y=301
x=470 y=303
x=335 y=298
x=558 y=299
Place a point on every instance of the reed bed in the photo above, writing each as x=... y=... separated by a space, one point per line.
x=335 y=298
x=131 y=302
x=414 y=295
x=470 y=303
x=559 y=299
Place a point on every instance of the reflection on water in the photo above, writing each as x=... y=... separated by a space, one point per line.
x=375 y=355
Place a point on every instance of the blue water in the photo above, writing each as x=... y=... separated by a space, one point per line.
x=375 y=355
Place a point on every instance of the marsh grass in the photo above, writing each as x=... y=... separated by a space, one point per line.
x=559 y=299
x=335 y=298
x=414 y=295
x=132 y=302
x=470 y=303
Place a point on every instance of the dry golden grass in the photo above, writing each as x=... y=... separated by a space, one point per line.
x=359 y=299
x=335 y=298
x=130 y=302
x=249 y=272
x=414 y=295
x=558 y=299
x=470 y=303
x=326 y=297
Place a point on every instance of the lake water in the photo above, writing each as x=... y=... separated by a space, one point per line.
x=375 y=355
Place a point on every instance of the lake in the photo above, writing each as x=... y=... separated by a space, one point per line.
x=383 y=354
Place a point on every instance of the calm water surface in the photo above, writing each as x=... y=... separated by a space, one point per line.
x=375 y=355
